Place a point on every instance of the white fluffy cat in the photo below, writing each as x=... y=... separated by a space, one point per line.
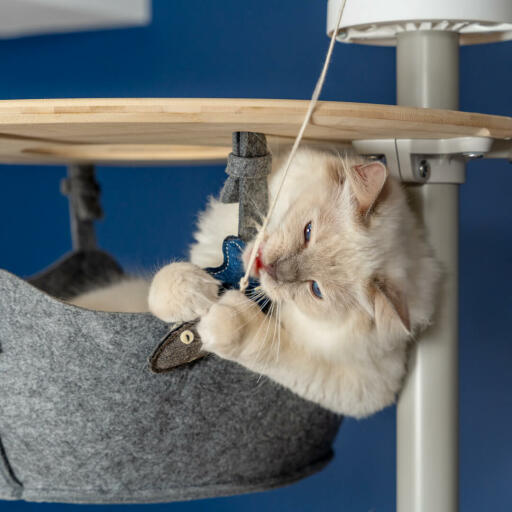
x=349 y=273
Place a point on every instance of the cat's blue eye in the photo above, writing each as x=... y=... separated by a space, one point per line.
x=307 y=232
x=315 y=289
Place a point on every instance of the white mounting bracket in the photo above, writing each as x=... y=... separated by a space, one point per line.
x=426 y=160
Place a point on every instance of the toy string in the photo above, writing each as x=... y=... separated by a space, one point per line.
x=244 y=282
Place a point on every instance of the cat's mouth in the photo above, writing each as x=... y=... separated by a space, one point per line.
x=258 y=264
x=259 y=267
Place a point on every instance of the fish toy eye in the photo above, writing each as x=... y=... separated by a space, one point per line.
x=315 y=290
x=307 y=232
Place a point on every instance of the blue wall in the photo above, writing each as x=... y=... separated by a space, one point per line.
x=272 y=49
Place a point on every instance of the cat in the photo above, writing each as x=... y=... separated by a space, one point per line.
x=349 y=272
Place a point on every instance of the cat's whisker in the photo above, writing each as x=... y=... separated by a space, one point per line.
x=247 y=320
x=266 y=342
x=278 y=331
x=251 y=310
x=261 y=343
x=257 y=289
x=269 y=318
x=263 y=340
x=256 y=295
x=249 y=305
x=272 y=342
x=258 y=298
x=247 y=308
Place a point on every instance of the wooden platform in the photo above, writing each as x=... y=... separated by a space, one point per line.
x=163 y=130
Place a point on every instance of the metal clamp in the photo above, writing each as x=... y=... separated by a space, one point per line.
x=426 y=160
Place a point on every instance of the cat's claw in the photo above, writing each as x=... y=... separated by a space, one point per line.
x=181 y=292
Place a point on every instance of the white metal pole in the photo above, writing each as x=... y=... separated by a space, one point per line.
x=427 y=412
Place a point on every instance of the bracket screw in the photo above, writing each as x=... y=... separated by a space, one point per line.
x=424 y=170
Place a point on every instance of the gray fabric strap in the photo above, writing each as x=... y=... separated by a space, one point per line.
x=255 y=167
x=83 y=192
x=248 y=167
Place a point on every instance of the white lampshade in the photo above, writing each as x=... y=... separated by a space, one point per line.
x=32 y=17
x=379 y=21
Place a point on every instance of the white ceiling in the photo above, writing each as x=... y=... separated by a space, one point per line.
x=29 y=17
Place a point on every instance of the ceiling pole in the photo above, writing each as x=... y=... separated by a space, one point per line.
x=427 y=412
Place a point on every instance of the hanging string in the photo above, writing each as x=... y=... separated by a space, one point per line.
x=244 y=282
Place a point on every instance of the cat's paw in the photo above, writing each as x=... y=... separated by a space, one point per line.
x=224 y=329
x=181 y=292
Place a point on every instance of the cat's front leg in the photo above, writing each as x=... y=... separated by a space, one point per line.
x=181 y=292
x=235 y=328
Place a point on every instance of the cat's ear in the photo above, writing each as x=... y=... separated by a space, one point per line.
x=367 y=182
x=391 y=310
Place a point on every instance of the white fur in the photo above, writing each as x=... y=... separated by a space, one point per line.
x=346 y=351
x=128 y=296
x=218 y=221
x=181 y=292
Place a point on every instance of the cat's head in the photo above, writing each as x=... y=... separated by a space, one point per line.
x=340 y=243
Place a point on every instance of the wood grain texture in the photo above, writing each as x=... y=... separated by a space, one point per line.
x=158 y=130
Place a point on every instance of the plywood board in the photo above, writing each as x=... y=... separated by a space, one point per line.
x=154 y=130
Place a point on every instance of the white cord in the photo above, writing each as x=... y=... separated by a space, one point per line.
x=312 y=104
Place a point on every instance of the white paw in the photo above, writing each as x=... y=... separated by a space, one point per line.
x=224 y=328
x=181 y=292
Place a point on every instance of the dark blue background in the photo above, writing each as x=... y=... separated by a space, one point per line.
x=269 y=49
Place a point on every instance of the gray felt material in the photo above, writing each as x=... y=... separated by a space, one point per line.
x=83 y=192
x=77 y=272
x=82 y=419
x=248 y=167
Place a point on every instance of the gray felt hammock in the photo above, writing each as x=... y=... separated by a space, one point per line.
x=84 y=420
